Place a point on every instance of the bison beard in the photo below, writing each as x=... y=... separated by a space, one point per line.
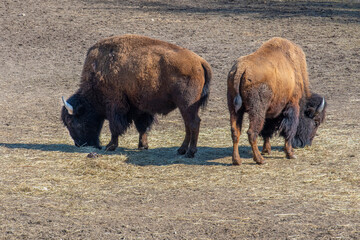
x=131 y=78
x=272 y=86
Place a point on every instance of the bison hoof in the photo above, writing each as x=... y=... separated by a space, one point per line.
x=292 y=156
x=181 y=150
x=110 y=147
x=236 y=162
x=259 y=160
x=143 y=147
x=266 y=151
x=189 y=154
x=261 y=163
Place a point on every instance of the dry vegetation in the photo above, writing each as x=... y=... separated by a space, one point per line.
x=49 y=189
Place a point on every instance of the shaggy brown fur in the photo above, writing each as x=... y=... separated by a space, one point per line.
x=130 y=78
x=269 y=84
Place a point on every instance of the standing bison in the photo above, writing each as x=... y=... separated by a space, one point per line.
x=272 y=86
x=131 y=78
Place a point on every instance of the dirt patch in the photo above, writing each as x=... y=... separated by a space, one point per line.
x=51 y=189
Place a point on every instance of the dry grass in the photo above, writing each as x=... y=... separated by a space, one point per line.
x=59 y=169
x=50 y=175
x=61 y=178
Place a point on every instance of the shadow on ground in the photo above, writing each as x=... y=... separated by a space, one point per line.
x=151 y=157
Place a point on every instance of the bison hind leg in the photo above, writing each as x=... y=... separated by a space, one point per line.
x=185 y=145
x=257 y=102
x=192 y=126
x=255 y=126
x=143 y=124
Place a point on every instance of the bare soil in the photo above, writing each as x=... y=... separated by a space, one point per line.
x=49 y=189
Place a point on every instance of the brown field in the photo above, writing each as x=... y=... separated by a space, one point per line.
x=49 y=189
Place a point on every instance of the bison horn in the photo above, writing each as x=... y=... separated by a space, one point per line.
x=68 y=106
x=321 y=106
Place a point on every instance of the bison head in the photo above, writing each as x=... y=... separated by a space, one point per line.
x=312 y=114
x=83 y=123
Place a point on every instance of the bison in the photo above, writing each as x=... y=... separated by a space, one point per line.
x=272 y=86
x=131 y=78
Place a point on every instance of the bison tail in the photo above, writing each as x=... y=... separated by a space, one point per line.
x=238 y=86
x=237 y=102
x=206 y=89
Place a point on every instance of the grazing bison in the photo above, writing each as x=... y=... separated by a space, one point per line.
x=272 y=86
x=131 y=78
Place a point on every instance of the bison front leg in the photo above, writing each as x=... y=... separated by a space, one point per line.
x=267 y=132
x=143 y=124
x=113 y=144
x=143 y=142
x=267 y=146
x=289 y=126
x=118 y=123
x=236 y=125
x=289 y=151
